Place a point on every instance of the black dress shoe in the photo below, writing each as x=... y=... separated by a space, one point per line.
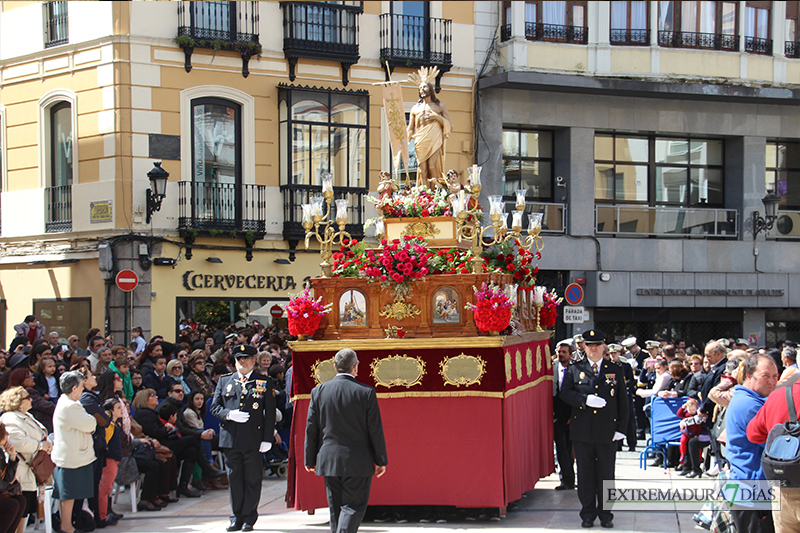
x=189 y=492
x=565 y=487
x=115 y=516
x=247 y=527
x=608 y=524
x=587 y=522
x=694 y=474
x=235 y=525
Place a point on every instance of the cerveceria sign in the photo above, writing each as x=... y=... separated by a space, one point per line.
x=196 y=280
x=710 y=292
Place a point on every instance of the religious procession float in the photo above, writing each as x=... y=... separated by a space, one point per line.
x=448 y=323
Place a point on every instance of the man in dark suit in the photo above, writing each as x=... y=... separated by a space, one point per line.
x=614 y=352
x=344 y=442
x=562 y=412
x=244 y=401
x=595 y=388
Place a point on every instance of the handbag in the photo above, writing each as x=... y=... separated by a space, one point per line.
x=12 y=488
x=144 y=451
x=42 y=466
x=128 y=472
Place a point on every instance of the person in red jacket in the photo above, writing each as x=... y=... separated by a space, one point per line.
x=776 y=411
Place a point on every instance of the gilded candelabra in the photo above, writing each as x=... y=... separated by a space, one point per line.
x=475 y=232
x=314 y=219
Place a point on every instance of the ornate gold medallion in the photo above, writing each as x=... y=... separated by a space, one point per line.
x=399 y=309
x=426 y=230
x=398 y=371
x=462 y=370
x=323 y=371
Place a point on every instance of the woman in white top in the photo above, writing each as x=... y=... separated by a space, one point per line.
x=662 y=380
x=73 y=451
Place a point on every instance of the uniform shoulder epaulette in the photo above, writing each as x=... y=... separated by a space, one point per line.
x=228 y=374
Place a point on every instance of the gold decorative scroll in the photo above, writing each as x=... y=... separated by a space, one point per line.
x=398 y=371
x=508 y=366
x=323 y=371
x=518 y=361
x=462 y=370
x=548 y=357
x=529 y=362
x=426 y=230
x=538 y=359
x=399 y=309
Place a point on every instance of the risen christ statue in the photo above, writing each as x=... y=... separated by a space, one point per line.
x=429 y=125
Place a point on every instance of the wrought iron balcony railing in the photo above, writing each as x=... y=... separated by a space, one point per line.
x=554 y=215
x=538 y=31
x=314 y=30
x=505 y=32
x=408 y=41
x=711 y=41
x=55 y=24
x=666 y=221
x=757 y=45
x=219 y=25
x=222 y=207
x=630 y=37
x=792 y=49
x=58 y=209
x=294 y=196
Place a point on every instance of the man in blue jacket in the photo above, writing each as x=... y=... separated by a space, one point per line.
x=760 y=377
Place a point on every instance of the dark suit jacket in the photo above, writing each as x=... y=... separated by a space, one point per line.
x=344 y=433
x=160 y=385
x=589 y=424
x=711 y=381
x=257 y=397
x=562 y=411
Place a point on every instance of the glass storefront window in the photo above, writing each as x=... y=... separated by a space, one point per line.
x=783 y=172
x=528 y=164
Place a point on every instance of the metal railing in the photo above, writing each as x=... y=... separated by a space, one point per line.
x=757 y=45
x=554 y=215
x=58 y=209
x=55 y=24
x=505 y=32
x=713 y=41
x=294 y=196
x=222 y=207
x=787 y=226
x=792 y=48
x=666 y=221
x=630 y=37
x=326 y=30
x=539 y=31
x=219 y=25
x=412 y=41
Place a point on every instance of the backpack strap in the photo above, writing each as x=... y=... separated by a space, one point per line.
x=790 y=404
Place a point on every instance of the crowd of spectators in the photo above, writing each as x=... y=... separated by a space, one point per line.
x=102 y=410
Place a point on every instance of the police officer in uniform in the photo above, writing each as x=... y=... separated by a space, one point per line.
x=614 y=352
x=579 y=352
x=595 y=388
x=244 y=401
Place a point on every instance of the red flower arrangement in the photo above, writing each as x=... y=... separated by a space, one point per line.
x=549 y=311
x=305 y=312
x=398 y=261
x=452 y=261
x=492 y=308
x=350 y=258
x=509 y=257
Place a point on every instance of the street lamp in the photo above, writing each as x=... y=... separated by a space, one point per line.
x=158 y=189
x=770 y=201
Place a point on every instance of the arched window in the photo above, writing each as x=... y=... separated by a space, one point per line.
x=60 y=149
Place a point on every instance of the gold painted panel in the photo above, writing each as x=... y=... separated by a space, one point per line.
x=462 y=369
x=398 y=371
x=323 y=371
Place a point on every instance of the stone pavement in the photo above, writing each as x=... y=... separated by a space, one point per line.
x=541 y=509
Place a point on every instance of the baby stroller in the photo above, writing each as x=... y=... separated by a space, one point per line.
x=276 y=460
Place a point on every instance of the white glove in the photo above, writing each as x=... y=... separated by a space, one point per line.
x=238 y=416
x=595 y=401
x=618 y=436
x=265 y=447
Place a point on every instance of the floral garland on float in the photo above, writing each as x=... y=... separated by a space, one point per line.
x=492 y=308
x=305 y=313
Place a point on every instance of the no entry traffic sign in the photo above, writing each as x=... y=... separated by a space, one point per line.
x=574 y=294
x=276 y=311
x=127 y=280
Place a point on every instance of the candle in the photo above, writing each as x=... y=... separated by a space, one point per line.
x=504 y=220
x=516 y=220
x=535 y=223
x=538 y=295
x=462 y=199
x=521 y=198
x=327 y=182
x=341 y=209
x=496 y=205
x=316 y=205
x=380 y=228
x=475 y=175
x=307 y=212
x=456 y=204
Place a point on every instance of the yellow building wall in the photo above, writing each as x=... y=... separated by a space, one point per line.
x=560 y=57
x=21 y=284
x=630 y=60
x=699 y=63
x=760 y=68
